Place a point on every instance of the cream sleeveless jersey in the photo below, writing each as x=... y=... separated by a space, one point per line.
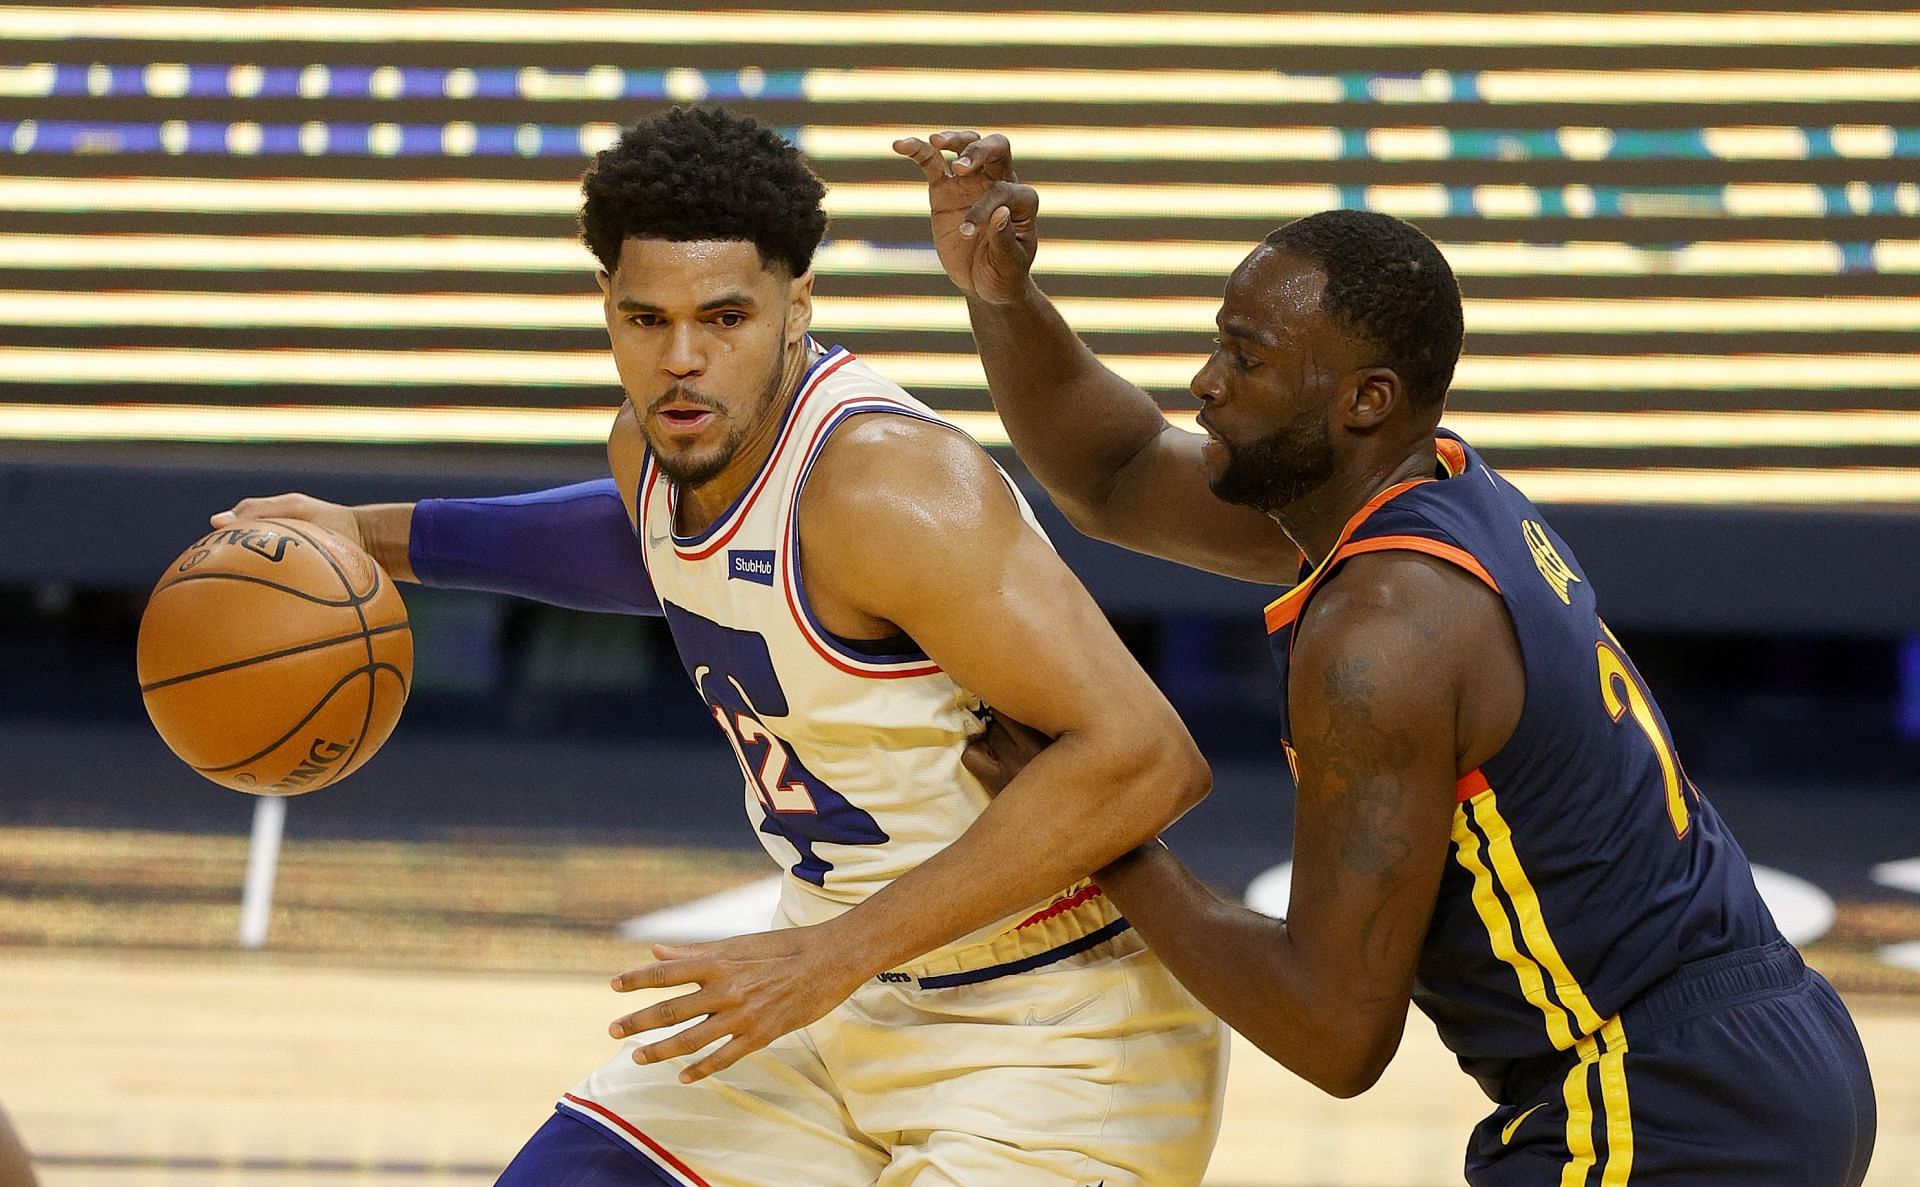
x=851 y=753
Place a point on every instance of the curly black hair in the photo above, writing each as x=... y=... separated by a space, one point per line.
x=692 y=173
x=1388 y=284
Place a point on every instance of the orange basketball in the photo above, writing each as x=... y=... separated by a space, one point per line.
x=274 y=657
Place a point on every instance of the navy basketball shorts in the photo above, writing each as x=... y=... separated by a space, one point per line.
x=1738 y=1069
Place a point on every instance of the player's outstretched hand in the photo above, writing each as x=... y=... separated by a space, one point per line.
x=754 y=988
x=996 y=756
x=983 y=218
x=337 y=519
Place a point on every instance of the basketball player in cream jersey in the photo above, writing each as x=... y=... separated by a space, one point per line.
x=945 y=998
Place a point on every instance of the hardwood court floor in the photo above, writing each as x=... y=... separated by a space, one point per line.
x=423 y=1003
x=151 y=1070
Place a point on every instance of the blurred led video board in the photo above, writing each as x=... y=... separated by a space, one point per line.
x=1688 y=240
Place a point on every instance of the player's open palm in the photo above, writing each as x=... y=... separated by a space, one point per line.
x=754 y=988
x=983 y=218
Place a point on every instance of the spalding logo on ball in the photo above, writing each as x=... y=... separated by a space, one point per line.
x=274 y=657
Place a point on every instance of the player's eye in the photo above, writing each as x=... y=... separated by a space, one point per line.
x=731 y=318
x=645 y=321
x=1240 y=361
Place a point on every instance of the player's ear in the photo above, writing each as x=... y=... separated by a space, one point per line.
x=799 y=307
x=605 y=282
x=1377 y=391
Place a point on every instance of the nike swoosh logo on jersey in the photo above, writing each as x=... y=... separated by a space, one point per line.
x=654 y=541
x=1062 y=1016
x=1506 y=1134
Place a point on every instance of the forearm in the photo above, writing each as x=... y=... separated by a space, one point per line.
x=1064 y=816
x=571 y=546
x=1247 y=968
x=1073 y=422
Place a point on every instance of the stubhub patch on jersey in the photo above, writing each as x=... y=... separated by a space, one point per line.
x=750 y=564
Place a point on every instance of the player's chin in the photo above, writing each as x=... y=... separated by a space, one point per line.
x=1215 y=457
x=691 y=462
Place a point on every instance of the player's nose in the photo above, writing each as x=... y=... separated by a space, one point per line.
x=1205 y=384
x=685 y=354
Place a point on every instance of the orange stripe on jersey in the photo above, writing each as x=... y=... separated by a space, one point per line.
x=1469 y=785
x=1452 y=455
x=1446 y=552
x=1284 y=609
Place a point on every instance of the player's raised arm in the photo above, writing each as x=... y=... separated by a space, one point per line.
x=910 y=529
x=1098 y=443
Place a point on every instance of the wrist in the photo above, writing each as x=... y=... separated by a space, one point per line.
x=851 y=949
x=386 y=533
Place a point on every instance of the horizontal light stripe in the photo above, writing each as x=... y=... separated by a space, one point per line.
x=857 y=257
x=453 y=368
x=1638 y=87
x=1826 y=429
x=1848 y=486
x=909 y=199
x=354 y=253
x=1223 y=144
x=1698 y=86
x=1125 y=87
x=937 y=314
x=665 y=27
x=586 y=426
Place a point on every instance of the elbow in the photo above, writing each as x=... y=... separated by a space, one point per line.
x=1346 y=1071
x=1347 y=1083
x=1084 y=515
x=1171 y=772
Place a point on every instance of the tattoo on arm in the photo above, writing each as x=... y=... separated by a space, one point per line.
x=1363 y=757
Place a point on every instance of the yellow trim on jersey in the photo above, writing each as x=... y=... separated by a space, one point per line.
x=1526 y=907
x=1613 y=1093
x=1579 y=1118
x=1494 y=916
x=1498 y=880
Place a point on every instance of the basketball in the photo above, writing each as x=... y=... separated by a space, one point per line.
x=274 y=657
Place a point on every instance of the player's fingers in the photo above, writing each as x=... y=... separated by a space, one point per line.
x=739 y=1048
x=259 y=508
x=1021 y=202
x=684 y=1042
x=954 y=140
x=671 y=1012
x=662 y=975
x=929 y=158
x=989 y=156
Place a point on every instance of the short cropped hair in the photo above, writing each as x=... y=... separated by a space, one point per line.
x=697 y=173
x=1387 y=284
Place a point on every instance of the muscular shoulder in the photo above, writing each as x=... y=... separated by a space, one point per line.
x=881 y=474
x=895 y=505
x=1437 y=632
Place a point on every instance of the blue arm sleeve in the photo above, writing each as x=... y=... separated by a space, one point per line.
x=571 y=546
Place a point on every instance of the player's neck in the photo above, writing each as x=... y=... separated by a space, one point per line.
x=1315 y=520
x=700 y=505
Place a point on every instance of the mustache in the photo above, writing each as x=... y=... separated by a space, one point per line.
x=681 y=392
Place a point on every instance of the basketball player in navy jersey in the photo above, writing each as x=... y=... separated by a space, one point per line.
x=1490 y=819
x=846 y=577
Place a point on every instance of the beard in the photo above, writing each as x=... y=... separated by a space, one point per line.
x=1277 y=470
x=696 y=467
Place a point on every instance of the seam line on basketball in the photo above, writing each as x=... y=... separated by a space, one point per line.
x=366 y=670
x=302 y=649
x=359 y=608
x=291 y=591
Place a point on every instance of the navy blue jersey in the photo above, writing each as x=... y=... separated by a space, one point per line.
x=1584 y=866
